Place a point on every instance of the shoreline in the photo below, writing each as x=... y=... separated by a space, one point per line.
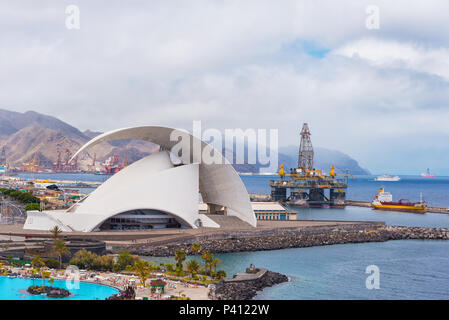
x=246 y=286
x=309 y=237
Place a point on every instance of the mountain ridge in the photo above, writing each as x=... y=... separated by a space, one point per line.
x=29 y=134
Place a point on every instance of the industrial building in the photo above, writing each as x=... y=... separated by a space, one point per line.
x=154 y=192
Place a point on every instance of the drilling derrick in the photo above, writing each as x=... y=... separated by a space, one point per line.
x=305 y=157
x=307 y=186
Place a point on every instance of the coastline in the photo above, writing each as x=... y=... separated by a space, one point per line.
x=246 y=286
x=312 y=236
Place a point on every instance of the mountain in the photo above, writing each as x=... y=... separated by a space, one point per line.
x=323 y=159
x=12 y=122
x=30 y=135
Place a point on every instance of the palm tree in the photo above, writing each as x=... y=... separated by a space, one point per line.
x=45 y=275
x=180 y=256
x=215 y=262
x=33 y=273
x=193 y=267
x=220 y=274
x=142 y=269
x=208 y=258
x=60 y=248
x=38 y=263
x=196 y=247
x=2 y=271
x=55 y=231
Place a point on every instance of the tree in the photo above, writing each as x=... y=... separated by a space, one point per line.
x=55 y=231
x=142 y=269
x=44 y=275
x=220 y=274
x=196 y=247
x=60 y=248
x=32 y=207
x=180 y=256
x=83 y=259
x=51 y=281
x=193 y=267
x=215 y=262
x=105 y=262
x=33 y=273
x=37 y=263
x=124 y=259
x=208 y=258
x=170 y=267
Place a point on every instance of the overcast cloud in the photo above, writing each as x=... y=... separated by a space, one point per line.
x=379 y=95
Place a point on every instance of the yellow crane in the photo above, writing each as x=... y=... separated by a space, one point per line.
x=295 y=174
x=332 y=173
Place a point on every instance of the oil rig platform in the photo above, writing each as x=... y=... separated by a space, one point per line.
x=305 y=186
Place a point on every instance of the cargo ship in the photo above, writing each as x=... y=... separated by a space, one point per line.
x=427 y=174
x=384 y=201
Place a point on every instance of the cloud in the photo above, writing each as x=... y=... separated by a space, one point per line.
x=394 y=54
x=250 y=64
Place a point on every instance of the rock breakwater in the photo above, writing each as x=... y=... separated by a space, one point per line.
x=305 y=237
x=247 y=289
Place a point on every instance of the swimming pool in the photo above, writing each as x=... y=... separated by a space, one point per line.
x=15 y=289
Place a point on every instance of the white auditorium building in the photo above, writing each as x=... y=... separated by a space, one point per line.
x=154 y=192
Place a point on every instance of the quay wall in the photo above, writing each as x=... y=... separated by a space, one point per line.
x=246 y=289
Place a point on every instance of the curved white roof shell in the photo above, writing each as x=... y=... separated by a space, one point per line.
x=155 y=183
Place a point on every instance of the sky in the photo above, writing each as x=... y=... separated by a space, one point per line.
x=378 y=94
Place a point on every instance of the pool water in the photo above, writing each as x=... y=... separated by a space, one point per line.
x=15 y=289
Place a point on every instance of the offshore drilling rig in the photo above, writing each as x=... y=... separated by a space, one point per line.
x=306 y=186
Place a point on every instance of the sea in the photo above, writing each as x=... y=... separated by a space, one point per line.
x=406 y=269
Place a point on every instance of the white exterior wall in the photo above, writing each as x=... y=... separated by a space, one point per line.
x=150 y=183
x=155 y=183
x=218 y=183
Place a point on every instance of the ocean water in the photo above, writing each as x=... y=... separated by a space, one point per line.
x=409 y=269
x=434 y=190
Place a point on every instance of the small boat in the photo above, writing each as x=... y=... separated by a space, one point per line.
x=387 y=177
x=427 y=174
x=384 y=201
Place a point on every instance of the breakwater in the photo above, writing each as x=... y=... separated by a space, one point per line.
x=296 y=238
x=246 y=286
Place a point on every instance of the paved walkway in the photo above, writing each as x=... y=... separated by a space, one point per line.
x=243 y=276
x=161 y=236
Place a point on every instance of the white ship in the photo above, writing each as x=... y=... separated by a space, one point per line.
x=387 y=177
